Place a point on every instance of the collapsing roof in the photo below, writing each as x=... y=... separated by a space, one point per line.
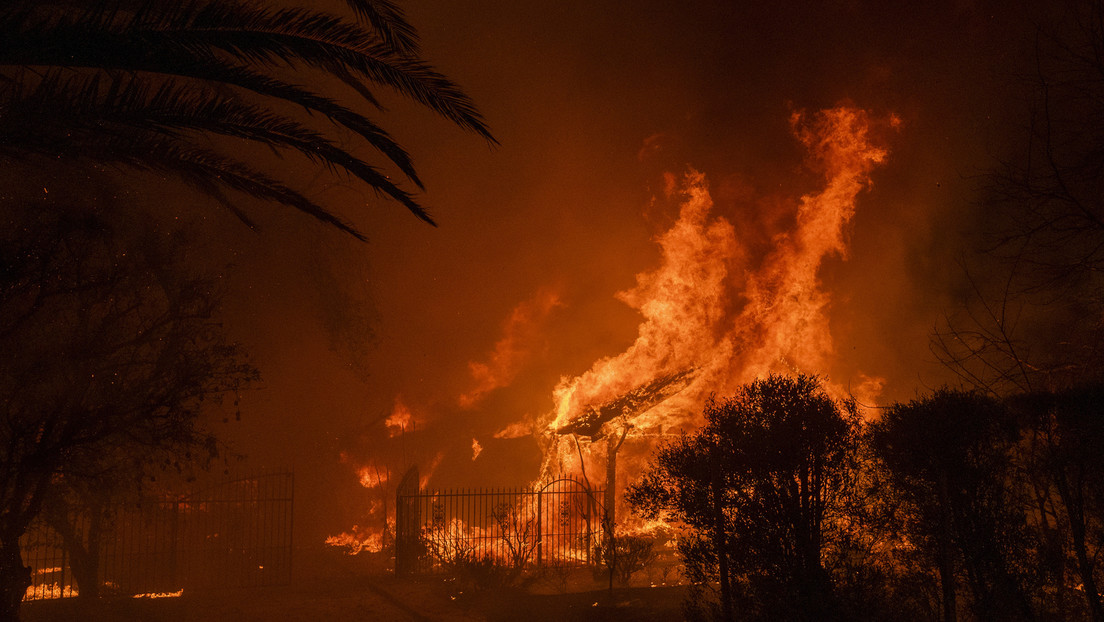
x=633 y=402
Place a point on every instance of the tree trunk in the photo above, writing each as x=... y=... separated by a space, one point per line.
x=1073 y=499
x=83 y=549
x=611 y=485
x=719 y=543
x=946 y=562
x=15 y=578
x=612 y=448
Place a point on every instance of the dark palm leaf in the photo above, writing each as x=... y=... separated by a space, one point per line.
x=130 y=108
x=388 y=19
x=245 y=32
x=142 y=80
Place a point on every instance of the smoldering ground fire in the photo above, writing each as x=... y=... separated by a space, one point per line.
x=714 y=317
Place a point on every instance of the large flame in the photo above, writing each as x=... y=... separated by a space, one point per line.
x=714 y=317
x=707 y=307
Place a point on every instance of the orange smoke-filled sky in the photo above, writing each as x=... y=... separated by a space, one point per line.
x=597 y=105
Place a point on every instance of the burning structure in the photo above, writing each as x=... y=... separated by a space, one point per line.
x=714 y=315
x=610 y=422
x=714 y=320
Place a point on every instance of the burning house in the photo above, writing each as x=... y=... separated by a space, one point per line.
x=714 y=317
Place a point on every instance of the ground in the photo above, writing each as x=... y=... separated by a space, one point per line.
x=346 y=590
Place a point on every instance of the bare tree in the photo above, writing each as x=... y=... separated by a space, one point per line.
x=1032 y=320
x=517 y=529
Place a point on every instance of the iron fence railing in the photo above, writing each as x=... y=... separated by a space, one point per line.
x=234 y=534
x=558 y=523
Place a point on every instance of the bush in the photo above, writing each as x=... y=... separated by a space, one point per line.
x=624 y=556
x=483 y=573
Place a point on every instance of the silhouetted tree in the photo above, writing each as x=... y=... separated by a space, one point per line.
x=949 y=458
x=110 y=349
x=762 y=487
x=148 y=84
x=1064 y=457
x=79 y=511
x=1032 y=321
x=1032 y=327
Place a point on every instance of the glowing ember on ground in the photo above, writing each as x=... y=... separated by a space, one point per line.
x=176 y=594
x=50 y=591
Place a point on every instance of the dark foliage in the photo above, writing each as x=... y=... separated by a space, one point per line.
x=620 y=557
x=149 y=84
x=949 y=458
x=762 y=487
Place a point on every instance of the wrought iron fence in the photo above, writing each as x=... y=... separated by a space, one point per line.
x=235 y=534
x=558 y=523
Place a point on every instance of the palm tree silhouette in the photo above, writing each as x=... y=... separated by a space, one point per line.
x=149 y=83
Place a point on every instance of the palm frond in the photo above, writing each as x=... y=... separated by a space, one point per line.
x=204 y=169
x=47 y=117
x=199 y=166
x=247 y=33
x=123 y=80
x=388 y=19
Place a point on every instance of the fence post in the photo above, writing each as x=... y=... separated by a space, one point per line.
x=400 y=533
x=407 y=522
x=540 y=537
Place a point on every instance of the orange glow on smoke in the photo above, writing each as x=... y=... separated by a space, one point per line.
x=520 y=335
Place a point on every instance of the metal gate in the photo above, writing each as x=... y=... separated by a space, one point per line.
x=558 y=523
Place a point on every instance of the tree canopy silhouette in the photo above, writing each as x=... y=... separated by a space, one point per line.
x=147 y=83
x=761 y=487
x=949 y=458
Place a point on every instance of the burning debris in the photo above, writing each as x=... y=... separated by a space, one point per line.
x=593 y=424
x=631 y=404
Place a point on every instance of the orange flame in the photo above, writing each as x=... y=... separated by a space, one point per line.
x=358 y=541
x=707 y=307
x=401 y=419
x=515 y=430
